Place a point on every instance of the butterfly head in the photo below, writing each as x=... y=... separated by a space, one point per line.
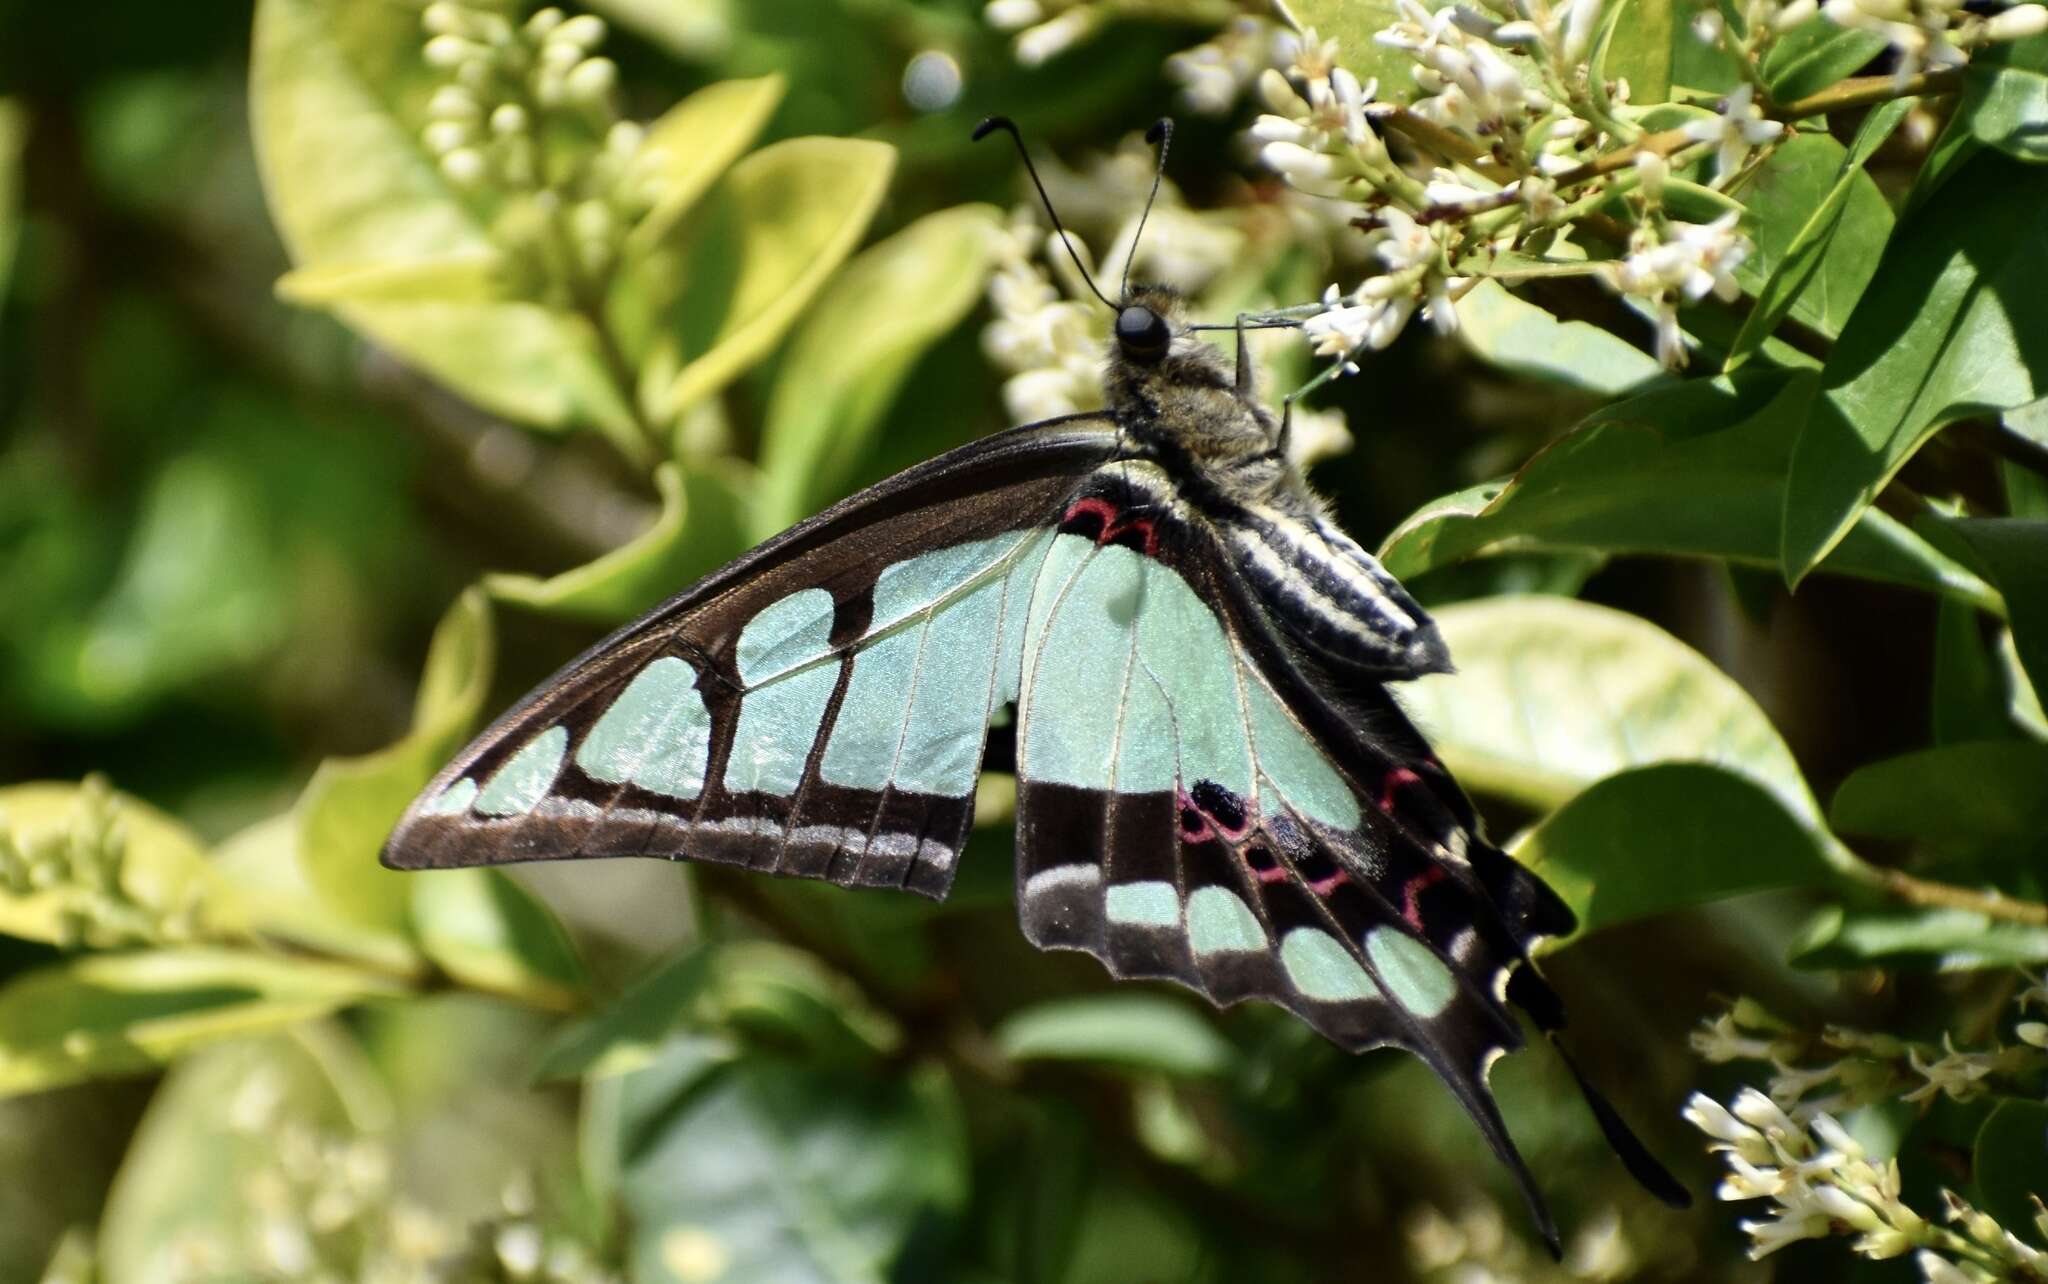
x=1144 y=327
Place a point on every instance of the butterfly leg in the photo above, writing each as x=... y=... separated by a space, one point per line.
x=1244 y=362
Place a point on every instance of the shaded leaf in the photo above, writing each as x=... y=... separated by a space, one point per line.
x=774 y=1173
x=1976 y=792
x=13 y=133
x=351 y=189
x=486 y=931
x=350 y=804
x=2009 y=1163
x=2022 y=699
x=688 y=146
x=1552 y=694
x=1664 y=837
x=115 y=1014
x=698 y=529
x=853 y=349
x=786 y=217
x=1136 y=1031
x=1821 y=225
x=1945 y=940
x=1696 y=469
x=1814 y=55
x=1953 y=324
x=1969 y=699
x=2013 y=555
x=2005 y=98
x=1517 y=335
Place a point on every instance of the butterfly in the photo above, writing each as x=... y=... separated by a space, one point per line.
x=1188 y=664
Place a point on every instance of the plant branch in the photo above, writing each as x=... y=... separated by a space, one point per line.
x=1933 y=895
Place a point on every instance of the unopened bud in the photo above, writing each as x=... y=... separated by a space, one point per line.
x=585 y=31
x=2017 y=23
x=464 y=167
x=591 y=81
x=508 y=119
x=452 y=51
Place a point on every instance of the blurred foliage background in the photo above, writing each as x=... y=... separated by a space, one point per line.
x=361 y=362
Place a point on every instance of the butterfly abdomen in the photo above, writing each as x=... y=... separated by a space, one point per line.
x=1333 y=597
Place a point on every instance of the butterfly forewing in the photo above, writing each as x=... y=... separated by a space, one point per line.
x=817 y=709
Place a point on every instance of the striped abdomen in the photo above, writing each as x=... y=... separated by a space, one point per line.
x=1335 y=598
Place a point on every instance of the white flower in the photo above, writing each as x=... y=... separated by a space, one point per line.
x=2017 y=23
x=1039 y=44
x=1936 y=1269
x=1012 y=15
x=1738 y=127
x=1580 y=17
x=1773 y=1235
x=1955 y=1073
x=2034 y=1033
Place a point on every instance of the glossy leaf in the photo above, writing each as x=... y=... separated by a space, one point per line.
x=1639 y=48
x=1655 y=839
x=1553 y=694
x=350 y=805
x=695 y=141
x=100 y=1015
x=472 y=277
x=1519 y=336
x=786 y=217
x=2009 y=1163
x=1353 y=24
x=486 y=931
x=2013 y=555
x=1969 y=700
x=1976 y=792
x=353 y=191
x=2022 y=698
x=1817 y=241
x=854 y=347
x=2005 y=98
x=1942 y=940
x=762 y=1172
x=698 y=529
x=1950 y=326
x=1814 y=55
x=163 y=867
x=1693 y=470
x=1135 y=1031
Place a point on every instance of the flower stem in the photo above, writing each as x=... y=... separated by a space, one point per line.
x=1926 y=892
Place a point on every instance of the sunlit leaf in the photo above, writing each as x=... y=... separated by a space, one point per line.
x=781 y=222
x=351 y=187
x=786 y=1175
x=1517 y=335
x=1353 y=24
x=688 y=146
x=1639 y=48
x=1940 y=939
x=1814 y=55
x=486 y=931
x=1696 y=469
x=115 y=1014
x=1821 y=225
x=164 y=872
x=2005 y=98
x=1660 y=838
x=853 y=349
x=350 y=805
x=263 y=866
x=473 y=277
x=1552 y=694
x=1135 y=1031
x=700 y=527
x=1949 y=327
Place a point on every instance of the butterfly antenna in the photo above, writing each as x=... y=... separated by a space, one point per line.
x=1160 y=136
x=1008 y=126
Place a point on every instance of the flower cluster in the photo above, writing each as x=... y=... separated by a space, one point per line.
x=1474 y=1247
x=1924 y=35
x=1676 y=262
x=325 y=1206
x=514 y=93
x=83 y=867
x=1050 y=344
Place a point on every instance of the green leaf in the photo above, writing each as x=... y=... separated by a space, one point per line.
x=1353 y=24
x=1969 y=698
x=1553 y=694
x=855 y=346
x=354 y=193
x=2005 y=98
x=13 y=134
x=762 y=1173
x=486 y=931
x=1661 y=838
x=782 y=221
x=1962 y=794
x=2009 y=1164
x=699 y=529
x=262 y=864
x=1135 y=1031
x=694 y=142
x=1691 y=470
x=750 y=988
x=1818 y=242
x=1949 y=327
x=1946 y=940
x=1519 y=336
x=2013 y=555
x=73 y=1262
x=693 y=30
x=2022 y=700
x=1814 y=55
x=1639 y=48
x=163 y=868
x=473 y=277
x=117 y=1014
x=350 y=804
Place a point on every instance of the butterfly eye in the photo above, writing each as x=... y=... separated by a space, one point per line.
x=1142 y=334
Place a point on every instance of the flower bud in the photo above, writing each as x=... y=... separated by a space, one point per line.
x=452 y=102
x=1277 y=94
x=444 y=136
x=452 y=51
x=584 y=31
x=543 y=22
x=591 y=81
x=1012 y=15
x=465 y=167
x=2017 y=23
x=508 y=119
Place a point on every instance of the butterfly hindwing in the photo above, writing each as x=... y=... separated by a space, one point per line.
x=816 y=709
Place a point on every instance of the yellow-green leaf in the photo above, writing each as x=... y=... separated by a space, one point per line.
x=470 y=277
x=163 y=867
x=778 y=225
x=692 y=143
x=489 y=933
